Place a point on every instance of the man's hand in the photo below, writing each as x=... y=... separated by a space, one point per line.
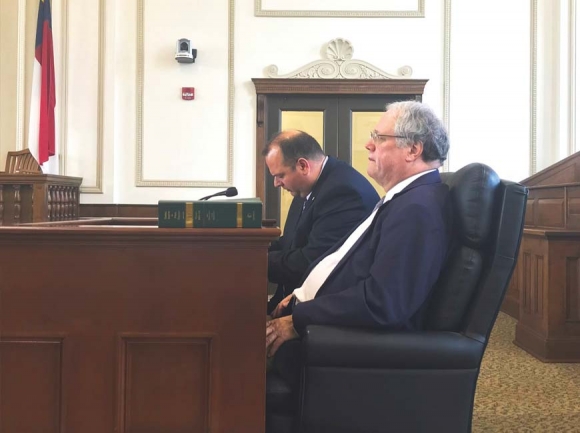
x=277 y=312
x=277 y=332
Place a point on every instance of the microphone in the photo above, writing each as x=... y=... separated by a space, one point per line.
x=230 y=192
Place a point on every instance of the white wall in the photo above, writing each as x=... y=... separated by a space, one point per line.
x=490 y=86
x=478 y=66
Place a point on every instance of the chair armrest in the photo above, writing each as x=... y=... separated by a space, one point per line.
x=330 y=346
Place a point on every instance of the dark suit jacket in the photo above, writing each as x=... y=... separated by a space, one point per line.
x=386 y=277
x=341 y=199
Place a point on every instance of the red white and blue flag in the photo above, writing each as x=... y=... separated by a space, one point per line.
x=41 y=140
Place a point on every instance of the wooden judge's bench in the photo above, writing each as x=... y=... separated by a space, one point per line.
x=29 y=196
x=544 y=294
x=114 y=325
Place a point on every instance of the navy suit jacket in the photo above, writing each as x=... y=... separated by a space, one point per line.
x=385 y=279
x=340 y=200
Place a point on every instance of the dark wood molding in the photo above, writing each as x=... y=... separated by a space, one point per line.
x=261 y=128
x=564 y=171
x=338 y=86
x=118 y=210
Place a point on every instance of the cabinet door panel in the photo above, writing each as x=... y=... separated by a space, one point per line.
x=357 y=116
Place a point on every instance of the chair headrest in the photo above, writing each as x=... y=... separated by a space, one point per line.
x=472 y=190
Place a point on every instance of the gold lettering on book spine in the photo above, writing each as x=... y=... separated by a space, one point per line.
x=188 y=214
x=240 y=215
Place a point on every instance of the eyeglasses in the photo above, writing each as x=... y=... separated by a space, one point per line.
x=377 y=137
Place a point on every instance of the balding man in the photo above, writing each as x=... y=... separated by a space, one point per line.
x=330 y=198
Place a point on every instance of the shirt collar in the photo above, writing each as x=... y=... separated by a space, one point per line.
x=319 y=174
x=404 y=184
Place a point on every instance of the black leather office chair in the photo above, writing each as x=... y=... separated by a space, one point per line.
x=369 y=381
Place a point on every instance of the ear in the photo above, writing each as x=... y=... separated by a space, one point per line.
x=302 y=165
x=415 y=151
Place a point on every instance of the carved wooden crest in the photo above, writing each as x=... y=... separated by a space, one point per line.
x=339 y=64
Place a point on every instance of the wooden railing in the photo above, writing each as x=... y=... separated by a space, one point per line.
x=30 y=198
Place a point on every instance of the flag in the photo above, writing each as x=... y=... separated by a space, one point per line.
x=41 y=140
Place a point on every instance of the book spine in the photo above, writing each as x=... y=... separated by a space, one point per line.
x=178 y=215
x=252 y=215
x=232 y=215
x=200 y=214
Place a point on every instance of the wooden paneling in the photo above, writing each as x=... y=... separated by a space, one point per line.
x=572 y=289
x=165 y=382
x=164 y=329
x=573 y=207
x=554 y=207
x=550 y=212
x=545 y=294
x=32 y=198
x=30 y=384
x=549 y=325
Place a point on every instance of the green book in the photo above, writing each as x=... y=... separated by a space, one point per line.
x=244 y=213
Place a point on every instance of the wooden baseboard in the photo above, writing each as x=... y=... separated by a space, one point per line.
x=547 y=349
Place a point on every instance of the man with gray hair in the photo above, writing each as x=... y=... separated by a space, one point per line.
x=381 y=275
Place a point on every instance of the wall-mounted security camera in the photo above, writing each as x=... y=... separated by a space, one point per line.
x=183 y=51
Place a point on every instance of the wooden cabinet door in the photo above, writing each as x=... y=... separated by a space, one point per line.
x=339 y=113
x=341 y=124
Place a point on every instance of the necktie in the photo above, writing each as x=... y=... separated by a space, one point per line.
x=379 y=204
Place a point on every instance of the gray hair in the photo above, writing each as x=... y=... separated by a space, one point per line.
x=418 y=123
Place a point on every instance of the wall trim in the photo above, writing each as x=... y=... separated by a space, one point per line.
x=20 y=76
x=98 y=187
x=419 y=13
x=572 y=77
x=140 y=181
x=62 y=104
x=533 y=84
x=447 y=73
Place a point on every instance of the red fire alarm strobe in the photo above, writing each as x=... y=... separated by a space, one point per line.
x=188 y=93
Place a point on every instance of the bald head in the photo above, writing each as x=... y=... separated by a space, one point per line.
x=294 y=145
x=294 y=159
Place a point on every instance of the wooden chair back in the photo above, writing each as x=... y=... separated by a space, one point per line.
x=22 y=162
